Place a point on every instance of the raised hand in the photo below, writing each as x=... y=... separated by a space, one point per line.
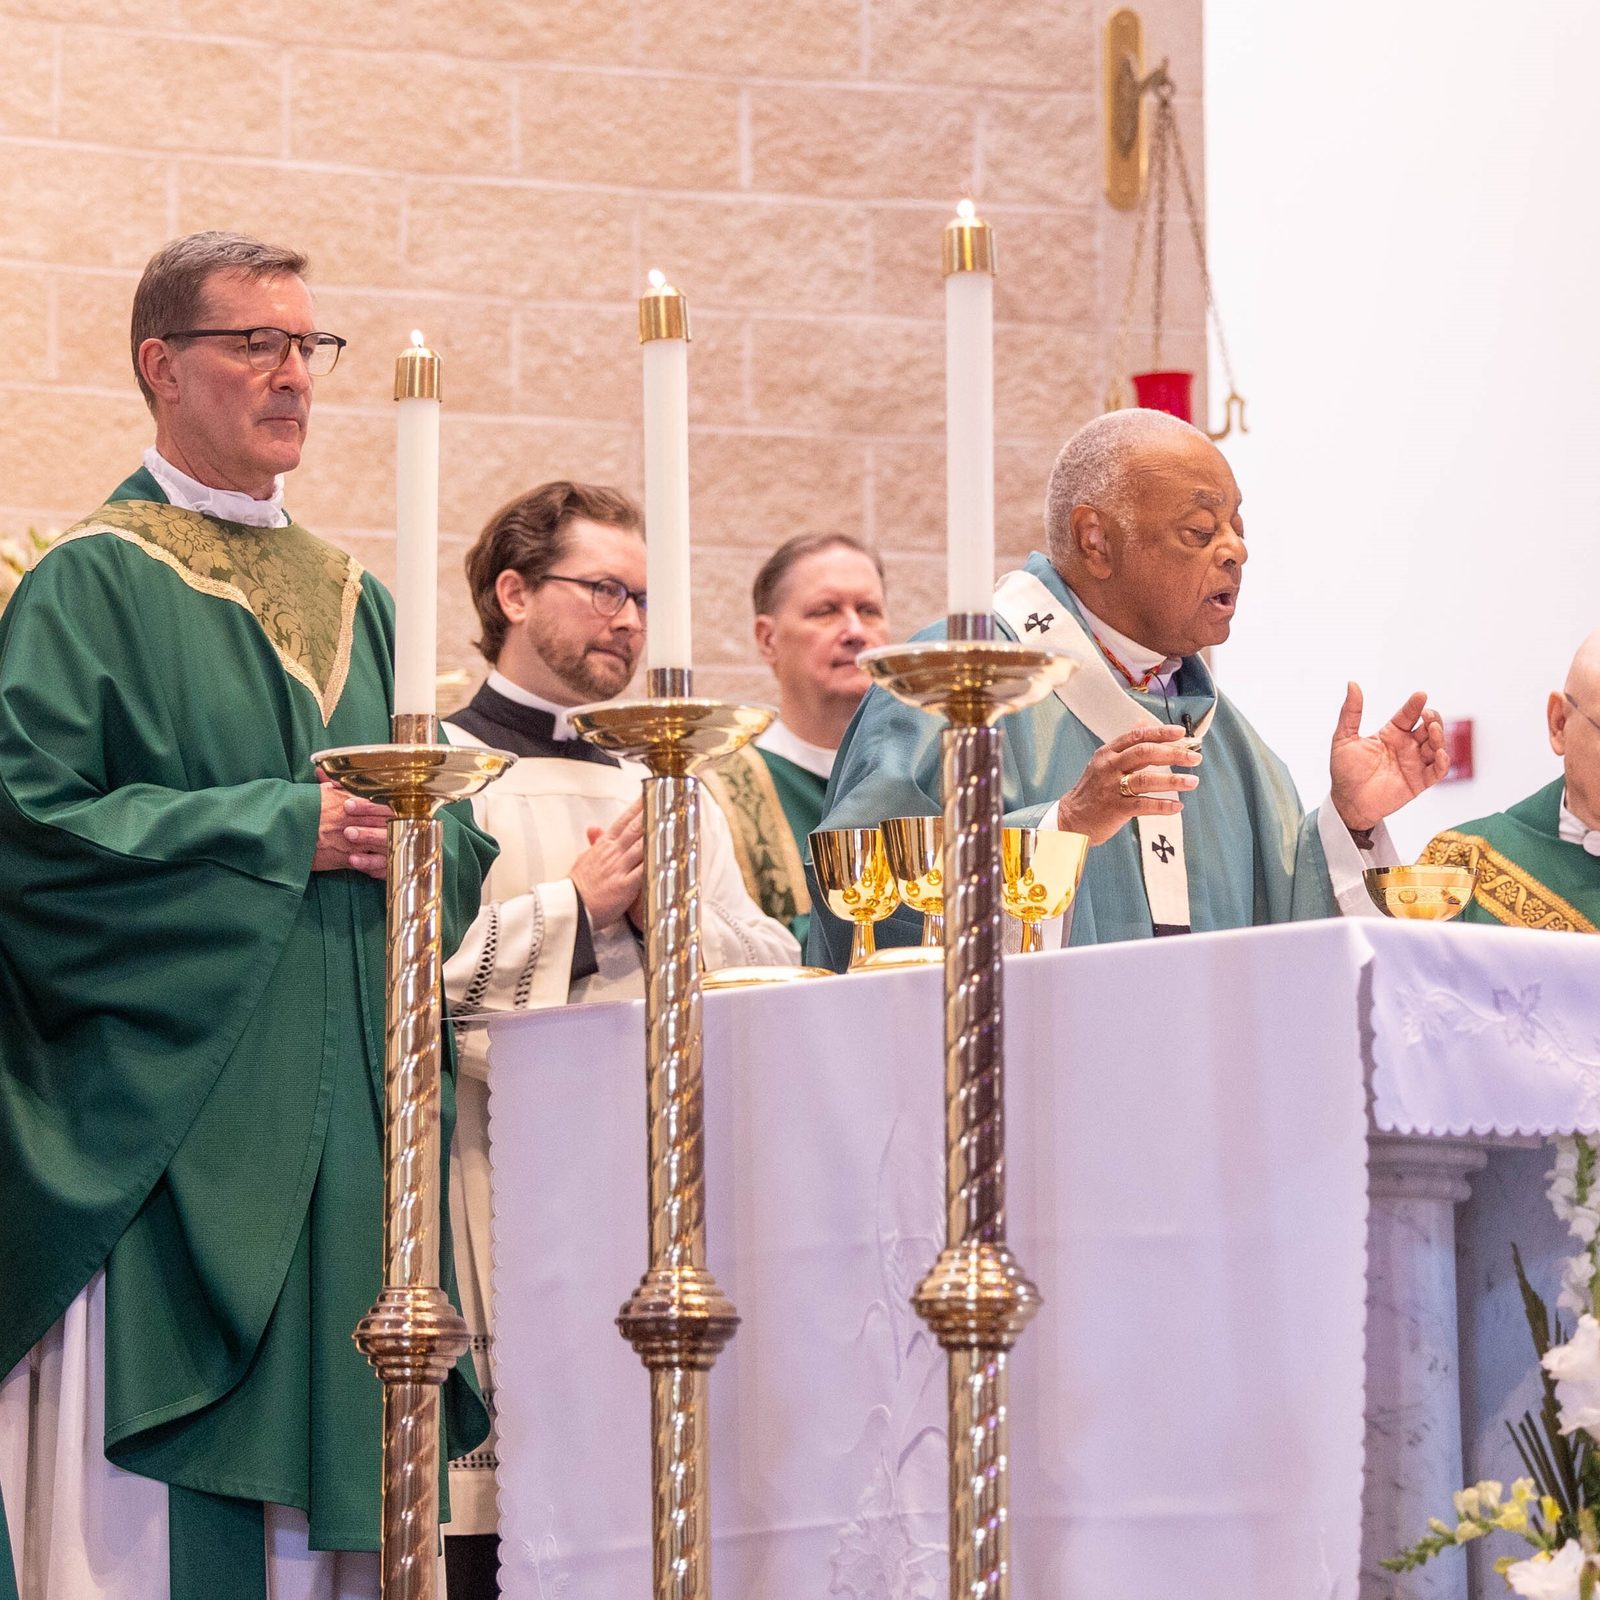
x=1100 y=802
x=1373 y=776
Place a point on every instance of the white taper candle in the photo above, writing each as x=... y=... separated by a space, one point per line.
x=416 y=493
x=664 y=335
x=969 y=411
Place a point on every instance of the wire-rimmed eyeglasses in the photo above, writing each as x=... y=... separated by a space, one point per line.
x=1581 y=712
x=609 y=595
x=268 y=348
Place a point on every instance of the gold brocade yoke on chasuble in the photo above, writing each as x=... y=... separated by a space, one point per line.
x=302 y=591
x=1506 y=891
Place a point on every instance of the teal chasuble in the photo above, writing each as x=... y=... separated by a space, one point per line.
x=191 y=1069
x=1528 y=876
x=1253 y=856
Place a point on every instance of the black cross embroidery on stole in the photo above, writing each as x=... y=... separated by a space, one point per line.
x=1041 y=623
x=1163 y=848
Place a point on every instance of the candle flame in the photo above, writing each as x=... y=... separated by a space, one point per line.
x=416 y=338
x=966 y=211
x=658 y=279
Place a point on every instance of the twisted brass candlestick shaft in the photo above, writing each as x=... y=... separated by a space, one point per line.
x=677 y=1319
x=976 y=1299
x=413 y=1336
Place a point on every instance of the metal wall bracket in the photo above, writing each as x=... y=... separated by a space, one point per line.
x=1127 y=130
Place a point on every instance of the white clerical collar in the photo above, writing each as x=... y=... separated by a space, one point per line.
x=1575 y=831
x=1137 y=658
x=228 y=504
x=784 y=741
x=501 y=684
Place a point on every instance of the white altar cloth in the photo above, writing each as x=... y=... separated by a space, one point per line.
x=1187 y=1125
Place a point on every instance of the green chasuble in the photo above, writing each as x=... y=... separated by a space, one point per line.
x=1528 y=875
x=773 y=805
x=1253 y=855
x=191 y=1066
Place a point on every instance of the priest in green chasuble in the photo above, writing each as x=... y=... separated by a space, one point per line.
x=1538 y=862
x=819 y=603
x=192 y=980
x=1194 y=822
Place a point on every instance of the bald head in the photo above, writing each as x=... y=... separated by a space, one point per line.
x=1583 y=676
x=1574 y=718
x=1099 y=465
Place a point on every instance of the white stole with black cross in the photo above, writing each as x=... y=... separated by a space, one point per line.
x=1095 y=697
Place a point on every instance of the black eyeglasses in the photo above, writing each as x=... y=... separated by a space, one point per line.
x=610 y=595
x=268 y=348
x=1581 y=712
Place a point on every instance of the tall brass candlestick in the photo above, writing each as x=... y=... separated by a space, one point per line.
x=677 y=1320
x=413 y=1336
x=976 y=1299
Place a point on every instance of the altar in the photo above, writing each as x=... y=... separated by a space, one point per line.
x=1188 y=1150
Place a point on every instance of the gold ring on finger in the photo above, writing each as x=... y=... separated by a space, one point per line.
x=1124 y=788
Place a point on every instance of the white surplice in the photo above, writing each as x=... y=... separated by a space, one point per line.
x=517 y=956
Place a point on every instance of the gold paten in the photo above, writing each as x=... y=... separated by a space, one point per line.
x=677 y=1320
x=1127 y=135
x=853 y=873
x=915 y=848
x=967 y=245
x=1040 y=872
x=1420 y=894
x=412 y=1336
x=976 y=1299
x=759 y=977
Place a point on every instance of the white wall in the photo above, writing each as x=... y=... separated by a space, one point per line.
x=1405 y=239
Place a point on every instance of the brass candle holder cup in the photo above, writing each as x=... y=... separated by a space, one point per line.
x=1040 y=872
x=1420 y=893
x=853 y=872
x=412 y=1336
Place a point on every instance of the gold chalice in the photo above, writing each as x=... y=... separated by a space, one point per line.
x=1040 y=869
x=853 y=872
x=915 y=848
x=1420 y=894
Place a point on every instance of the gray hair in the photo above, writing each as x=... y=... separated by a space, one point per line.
x=1092 y=470
x=172 y=290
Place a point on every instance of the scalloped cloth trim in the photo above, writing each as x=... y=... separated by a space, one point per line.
x=301 y=591
x=1509 y=893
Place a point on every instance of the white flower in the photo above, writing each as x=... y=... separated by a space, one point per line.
x=1575 y=1366
x=1547 y=1577
x=1577 y=1285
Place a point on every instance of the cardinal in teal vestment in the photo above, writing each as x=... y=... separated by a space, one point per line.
x=1253 y=854
x=191 y=1063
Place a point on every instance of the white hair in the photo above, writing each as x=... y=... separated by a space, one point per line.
x=1092 y=470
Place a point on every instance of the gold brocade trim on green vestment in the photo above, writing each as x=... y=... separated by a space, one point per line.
x=302 y=591
x=1509 y=893
x=768 y=855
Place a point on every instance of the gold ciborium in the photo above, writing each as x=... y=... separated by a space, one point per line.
x=915 y=848
x=1040 y=872
x=853 y=871
x=1420 y=894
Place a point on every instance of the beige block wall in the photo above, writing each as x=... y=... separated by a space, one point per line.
x=502 y=173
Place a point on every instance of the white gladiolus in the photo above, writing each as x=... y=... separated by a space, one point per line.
x=1547 y=1577
x=1575 y=1366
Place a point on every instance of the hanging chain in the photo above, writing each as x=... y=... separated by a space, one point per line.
x=1205 y=281
x=1158 y=277
x=1168 y=143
